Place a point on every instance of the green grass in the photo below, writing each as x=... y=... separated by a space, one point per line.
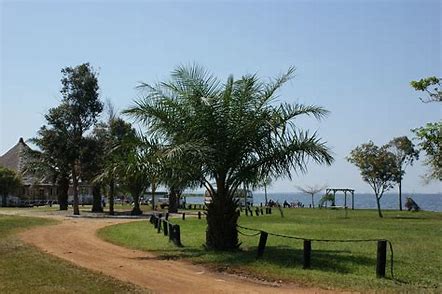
x=416 y=238
x=25 y=269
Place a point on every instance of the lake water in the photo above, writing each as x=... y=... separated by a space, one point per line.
x=431 y=202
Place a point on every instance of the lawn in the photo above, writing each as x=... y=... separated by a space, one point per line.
x=25 y=269
x=416 y=238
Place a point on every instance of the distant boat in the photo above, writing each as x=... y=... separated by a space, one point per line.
x=244 y=197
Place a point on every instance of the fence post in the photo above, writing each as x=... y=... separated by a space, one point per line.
x=177 y=235
x=155 y=222
x=171 y=233
x=184 y=215
x=257 y=211
x=199 y=214
x=262 y=243
x=270 y=210
x=307 y=253
x=262 y=211
x=247 y=212
x=167 y=216
x=165 y=228
x=159 y=225
x=381 y=260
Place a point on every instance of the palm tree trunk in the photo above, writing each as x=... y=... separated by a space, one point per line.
x=313 y=201
x=136 y=196
x=111 y=196
x=153 y=189
x=75 y=191
x=265 y=193
x=96 y=203
x=173 y=203
x=222 y=218
x=400 y=195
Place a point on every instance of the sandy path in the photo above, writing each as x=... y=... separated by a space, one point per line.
x=75 y=240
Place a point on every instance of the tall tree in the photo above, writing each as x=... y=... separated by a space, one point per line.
x=378 y=168
x=312 y=190
x=405 y=153
x=53 y=160
x=82 y=105
x=235 y=132
x=9 y=182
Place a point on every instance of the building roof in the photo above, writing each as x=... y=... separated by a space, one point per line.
x=15 y=160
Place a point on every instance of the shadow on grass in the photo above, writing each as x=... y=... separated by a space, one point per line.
x=339 y=261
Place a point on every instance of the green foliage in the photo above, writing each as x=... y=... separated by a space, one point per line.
x=232 y=133
x=426 y=85
x=9 y=183
x=378 y=167
x=416 y=239
x=430 y=137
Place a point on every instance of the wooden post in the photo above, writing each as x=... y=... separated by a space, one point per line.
x=345 y=199
x=177 y=235
x=262 y=243
x=352 y=200
x=262 y=211
x=171 y=233
x=151 y=219
x=257 y=211
x=199 y=214
x=167 y=216
x=184 y=215
x=270 y=210
x=165 y=228
x=381 y=260
x=307 y=253
x=155 y=222
x=247 y=212
x=159 y=225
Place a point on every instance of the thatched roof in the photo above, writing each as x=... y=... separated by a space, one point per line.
x=15 y=160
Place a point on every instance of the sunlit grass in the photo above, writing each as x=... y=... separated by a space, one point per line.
x=25 y=269
x=416 y=237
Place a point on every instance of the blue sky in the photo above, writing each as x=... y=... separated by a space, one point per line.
x=355 y=58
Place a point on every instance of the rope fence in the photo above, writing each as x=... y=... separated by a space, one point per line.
x=381 y=259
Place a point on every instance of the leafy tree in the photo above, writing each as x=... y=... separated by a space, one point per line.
x=235 y=132
x=426 y=85
x=378 y=167
x=405 y=153
x=81 y=105
x=312 y=190
x=9 y=182
x=53 y=160
x=430 y=137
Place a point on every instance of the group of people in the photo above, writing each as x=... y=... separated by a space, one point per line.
x=296 y=204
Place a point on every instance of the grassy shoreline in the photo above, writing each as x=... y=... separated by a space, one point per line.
x=416 y=237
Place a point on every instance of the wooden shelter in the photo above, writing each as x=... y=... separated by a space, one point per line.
x=345 y=190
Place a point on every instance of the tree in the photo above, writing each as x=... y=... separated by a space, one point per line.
x=378 y=168
x=312 y=190
x=234 y=132
x=425 y=85
x=405 y=153
x=9 y=182
x=430 y=137
x=53 y=160
x=81 y=105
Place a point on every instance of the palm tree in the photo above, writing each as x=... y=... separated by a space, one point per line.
x=234 y=133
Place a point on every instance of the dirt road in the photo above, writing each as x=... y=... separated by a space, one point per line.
x=75 y=240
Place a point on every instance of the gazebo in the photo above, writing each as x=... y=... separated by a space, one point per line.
x=345 y=190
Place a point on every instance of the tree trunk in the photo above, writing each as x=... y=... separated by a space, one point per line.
x=378 y=202
x=265 y=193
x=62 y=193
x=400 y=195
x=313 y=201
x=75 y=191
x=136 y=210
x=153 y=189
x=173 y=201
x=222 y=218
x=96 y=202
x=111 y=197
